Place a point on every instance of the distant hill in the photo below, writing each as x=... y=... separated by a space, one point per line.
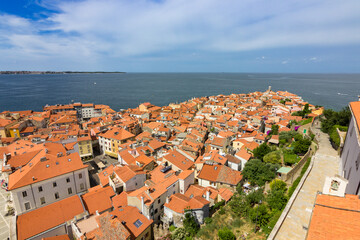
x=49 y=72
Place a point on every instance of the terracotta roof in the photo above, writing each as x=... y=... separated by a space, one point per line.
x=117 y=134
x=21 y=160
x=105 y=221
x=44 y=166
x=104 y=175
x=335 y=218
x=125 y=173
x=179 y=160
x=60 y=237
x=120 y=200
x=98 y=199
x=48 y=217
x=225 y=194
x=355 y=109
x=132 y=219
x=220 y=173
x=179 y=202
x=243 y=154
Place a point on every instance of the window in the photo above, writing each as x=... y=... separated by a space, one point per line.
x=68 y=180
x=159 y=201
x=40 y=189
x=42 y=200
x=69 y=190
x=27 y=206
x=156 y=211
x=138 y=223
x=24 y=193
x=57 y=195
x=80 y=175
x=82 y=186
x=54 y=184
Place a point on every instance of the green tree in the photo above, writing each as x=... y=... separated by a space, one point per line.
x=332 y=118
x=255 y=197
x=273 y=157
x=261 y=151
x=277 y=185
x=277 y=197
x=257 y=172
x=301 y=144
x=239 y=205
x=260 y=215
x=190 y=224
x=226 y=234
x=274 y=129
x=277 y=200
x=180 y=234
x=287 y=136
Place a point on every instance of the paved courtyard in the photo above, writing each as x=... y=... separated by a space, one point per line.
x=4 y=221
x=326 y=163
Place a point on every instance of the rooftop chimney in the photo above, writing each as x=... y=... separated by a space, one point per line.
x=208 y=195
x=142 y=204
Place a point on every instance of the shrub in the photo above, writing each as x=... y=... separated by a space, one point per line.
x=273 y=157
x=261 y=151
x=260 y=215
x=180 y=233
x=290 y=158
x=172 y=228
x=208 y=220
x=255 y=197
x=221 y=211
x=226 y=234
x=258 y=172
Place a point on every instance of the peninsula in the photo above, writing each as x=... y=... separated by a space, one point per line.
x=194 y=169
x=51 y=72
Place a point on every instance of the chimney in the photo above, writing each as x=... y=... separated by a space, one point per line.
x=208 y=195
x=167 y=199
x=142 y=204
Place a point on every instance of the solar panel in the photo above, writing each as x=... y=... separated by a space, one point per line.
x=138 y=223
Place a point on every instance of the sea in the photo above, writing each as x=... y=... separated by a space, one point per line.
x=128 y=90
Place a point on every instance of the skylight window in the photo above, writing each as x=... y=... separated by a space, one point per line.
x=138 y=223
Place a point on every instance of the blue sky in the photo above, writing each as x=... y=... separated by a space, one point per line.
x=181 y=35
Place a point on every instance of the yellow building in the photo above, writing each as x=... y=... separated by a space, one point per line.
x=111 y=140
x=4 y=124
x=85 y=147
x=15 y=129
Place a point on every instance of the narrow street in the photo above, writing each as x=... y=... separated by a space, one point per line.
x=326 y=163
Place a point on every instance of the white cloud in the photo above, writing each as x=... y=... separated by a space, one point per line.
x=119 y=28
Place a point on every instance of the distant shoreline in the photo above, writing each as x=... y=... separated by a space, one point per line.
x=50 y=72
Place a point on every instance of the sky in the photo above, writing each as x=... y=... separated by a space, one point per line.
x=301 y=36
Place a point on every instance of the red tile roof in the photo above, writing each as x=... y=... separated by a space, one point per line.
x=220 y=173
x=47 y=217
x=335 y=218
x=98 y=199
x=44 y=166
x=179 y=202
x=128 y=215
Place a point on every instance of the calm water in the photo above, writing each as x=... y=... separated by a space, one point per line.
x=23 y=92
